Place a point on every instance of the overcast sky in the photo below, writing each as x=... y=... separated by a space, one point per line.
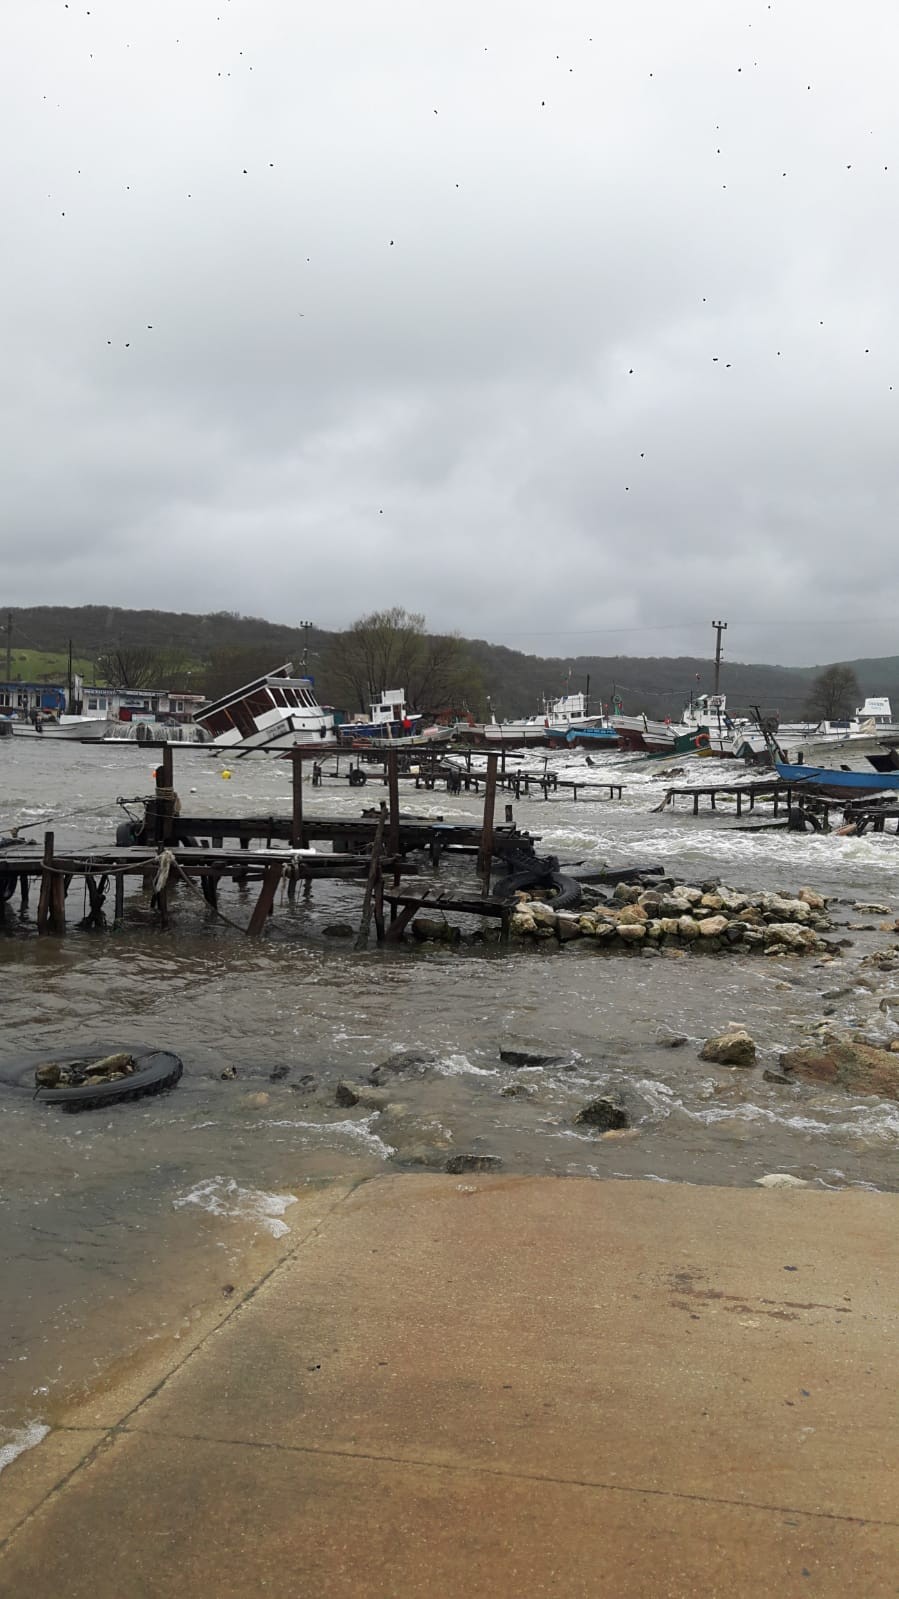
x=571 y=325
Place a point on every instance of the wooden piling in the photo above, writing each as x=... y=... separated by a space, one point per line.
x=119 y=911
x=43 y=907
x=297 y=835
x=165 y=797
x=485 y=858
x=393 y=795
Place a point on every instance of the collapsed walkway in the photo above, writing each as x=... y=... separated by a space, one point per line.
x=506 y=1387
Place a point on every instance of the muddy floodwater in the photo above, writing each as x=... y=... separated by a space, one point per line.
x=118 y=1225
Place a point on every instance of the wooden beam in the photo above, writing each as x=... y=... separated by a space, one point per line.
x=373 y=875
x=263 y=907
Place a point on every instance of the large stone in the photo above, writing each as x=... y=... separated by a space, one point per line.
x=802 y=940
x=858 y=1068
x=713 y=926
x=350 y=1094
x=687 y=927
x=626 y=893
x=528 y=1057
x=631 y=915
x=814 y=901
x=433 y=929
x=632 y=932
x=567 y=928
x=405 y=1063
x=457 y=1164
x=603 y=1113
x=729 y=1049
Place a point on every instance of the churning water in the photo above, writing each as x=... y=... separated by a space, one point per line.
x=116 y=1224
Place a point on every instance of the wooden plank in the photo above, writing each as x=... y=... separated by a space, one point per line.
x=464 y=907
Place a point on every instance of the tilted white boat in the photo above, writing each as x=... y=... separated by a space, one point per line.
x=277 y=711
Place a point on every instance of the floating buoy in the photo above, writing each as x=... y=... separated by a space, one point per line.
x=226 y=773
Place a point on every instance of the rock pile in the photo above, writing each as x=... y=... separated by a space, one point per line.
x=678 y=915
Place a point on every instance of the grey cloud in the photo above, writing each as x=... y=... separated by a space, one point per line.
x=611 y=385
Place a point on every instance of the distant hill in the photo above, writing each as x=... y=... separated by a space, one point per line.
x=515 y=683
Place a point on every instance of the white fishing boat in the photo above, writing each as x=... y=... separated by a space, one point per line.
x=277 y=711
x=81 y=729
x=552 y=726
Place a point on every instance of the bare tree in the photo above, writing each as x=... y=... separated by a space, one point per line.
x=390 y=649
x=833 y=695
x=123 y=667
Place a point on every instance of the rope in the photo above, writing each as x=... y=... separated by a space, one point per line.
x=166 y=862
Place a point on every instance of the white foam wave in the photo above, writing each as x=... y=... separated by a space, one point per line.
x=20 y=1439
x=461 y=1066
x=358 y=1131
x=224 y=1196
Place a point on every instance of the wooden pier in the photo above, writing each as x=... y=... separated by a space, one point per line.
x=167 y=852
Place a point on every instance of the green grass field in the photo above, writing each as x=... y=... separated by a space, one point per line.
x=43 y=666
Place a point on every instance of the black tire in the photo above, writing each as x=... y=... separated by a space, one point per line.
x=566 y=890
x=126 y=834
x=160 y=1069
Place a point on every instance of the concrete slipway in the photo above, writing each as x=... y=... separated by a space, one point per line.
x=500 y=1386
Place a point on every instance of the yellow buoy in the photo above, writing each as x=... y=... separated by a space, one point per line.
x=226 y=773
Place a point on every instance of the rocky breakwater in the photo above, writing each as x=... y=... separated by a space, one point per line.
x=672 y=917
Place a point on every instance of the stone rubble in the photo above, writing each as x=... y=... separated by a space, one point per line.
x=682 y=916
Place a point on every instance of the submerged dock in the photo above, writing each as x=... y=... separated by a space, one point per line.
x=275 y=852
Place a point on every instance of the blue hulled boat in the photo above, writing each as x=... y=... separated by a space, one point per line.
x=839 y=784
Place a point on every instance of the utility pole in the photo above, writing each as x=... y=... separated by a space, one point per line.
x=306 y=626
x=9 y=646
x=720 y=627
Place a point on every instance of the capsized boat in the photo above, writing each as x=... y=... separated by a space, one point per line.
x=277 y=711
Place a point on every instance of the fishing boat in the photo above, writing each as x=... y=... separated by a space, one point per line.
x=277 y=711
x=391 y=720
x=839 y=782
x=81 y=729
x=549 y=728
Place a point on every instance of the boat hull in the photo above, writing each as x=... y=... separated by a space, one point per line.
x=837 y=784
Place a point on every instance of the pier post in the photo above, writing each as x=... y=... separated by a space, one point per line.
x=43 y=906
x=165 y=797
x=297 y=834
x=119 y=910
x=393 y=794
x=374 y=872
x=485 y=858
